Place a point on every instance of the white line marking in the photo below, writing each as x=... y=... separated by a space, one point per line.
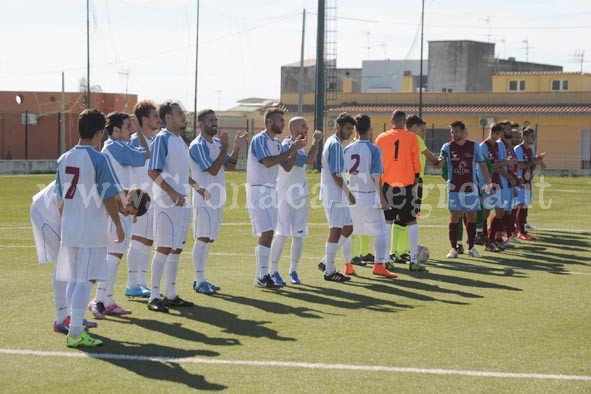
x=289 y=364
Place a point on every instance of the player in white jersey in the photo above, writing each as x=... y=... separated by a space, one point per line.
x=169 y=169
x=123 y=157
x=363 y=162
x=292 y=202
x=265 y=154
x=142 y=230
x=46 y=224
x=336 y=197
x=87 y=194
x=209 y=159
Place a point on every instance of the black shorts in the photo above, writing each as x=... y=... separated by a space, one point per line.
x=402 y=202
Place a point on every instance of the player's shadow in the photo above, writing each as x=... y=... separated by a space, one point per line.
x=455 y=280
x=531 y=262
x=177 y=330
x=341 y=298
x=581 y=240
x=153 y=361
x=230 y=323
x=271 y=306
x=457 y=266
x=534 y=253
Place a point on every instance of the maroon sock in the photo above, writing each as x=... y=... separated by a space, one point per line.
x=525 y=215
x=508 y=227
x=471 y=227
x=514 y=220
x=521 y=219
x=453 y=234
x=492 y=231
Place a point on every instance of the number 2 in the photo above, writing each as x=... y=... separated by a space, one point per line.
x=353 y=169
x=72 y=189
x=396 y=147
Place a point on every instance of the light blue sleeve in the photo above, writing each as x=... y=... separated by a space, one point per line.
x=478 y=153
x=159 y=149
x=134 y=142
x=260 y=149
x=519 y=153
x=107 y=182
x=484 y=150
x=502 y=151
x=127 y=155
x=199 y=153
x=336 y=158
x=58 y=182
x=376 y=161
x=300 y=159
x=444 y=153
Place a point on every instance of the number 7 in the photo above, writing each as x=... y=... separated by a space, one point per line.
x=72 y=190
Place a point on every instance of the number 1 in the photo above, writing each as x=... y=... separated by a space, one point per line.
x=396 y=146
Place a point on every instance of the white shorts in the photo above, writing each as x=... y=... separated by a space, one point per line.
x=81 y=264
x=171 y=226
x=338 y=215
x=47 y=237
x=120 y=247
x=207 y=222
x=144 y=225
x=292 y=218
x=262 y=208
x=368 y=217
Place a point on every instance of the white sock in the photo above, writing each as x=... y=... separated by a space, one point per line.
x=262 y=256
x=339 y=244
x=61 y=300
x=331 y=252
x=172 y=267
x=388 y=236
x=143 y=264
x=158 y=263
x=69 y=292
x=380 y=247
x=297 y=247
x=80 y=298
x=345 y=242
x=199 y=259
x=277 y=251
x=102 y=286
x=112 y=265
x=134 y=255
x=413 y=239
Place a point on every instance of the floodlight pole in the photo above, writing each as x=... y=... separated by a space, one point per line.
x=421 y=70
x=196 y=72
x=301 y=82
x=320 y=85
x=88 y=54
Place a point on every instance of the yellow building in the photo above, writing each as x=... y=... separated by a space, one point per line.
x=541 y=81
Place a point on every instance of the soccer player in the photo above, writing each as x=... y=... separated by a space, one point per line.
x=402 y=170
x=209 y=158
x=123 y=158
x=292 y=201
x=363 y=162
x=169 y=170
x=336 y=198
x=493 y=201
x=462 y=156
x=142 y=230
x=46 y=224
x=87 y=193
x=401 y=247
x=527 y=163
x=512 y=182
x=265 y=155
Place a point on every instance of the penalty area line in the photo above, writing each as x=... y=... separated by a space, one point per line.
x=291 y=364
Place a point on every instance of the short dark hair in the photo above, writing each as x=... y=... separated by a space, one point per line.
x=115 y=119
x=272 y=112
x=496 y=127
x=345 y=118
x=414 y=120
x=140 y=199
x=398 y=115
x=166 y=109
x=203 y=113
x=514 y=125
x=143 y=109
x=90 y=122
x=459 y=124
x=362 y=123
x=505 y=122
x=528 y=130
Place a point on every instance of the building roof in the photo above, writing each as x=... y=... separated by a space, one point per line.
x=541 y=73
x=457 y=109
x=307 y=63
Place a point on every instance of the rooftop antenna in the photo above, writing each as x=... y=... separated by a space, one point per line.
x=579 y=56
x=527 y=48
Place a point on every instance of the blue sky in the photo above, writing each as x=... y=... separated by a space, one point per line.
x=244 y=43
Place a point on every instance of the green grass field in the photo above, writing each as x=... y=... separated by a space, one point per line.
x=524 y=311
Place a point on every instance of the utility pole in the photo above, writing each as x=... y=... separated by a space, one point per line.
x=320 y=84
x=196 y=71
x=301 y=84
x=62 y=130
x=88 y=54
x=421 y=70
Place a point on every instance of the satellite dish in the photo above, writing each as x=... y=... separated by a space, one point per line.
x=19 y=99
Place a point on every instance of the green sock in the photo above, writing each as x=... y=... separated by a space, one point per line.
x=403 y=242
x=363 y=245
x=396 y=232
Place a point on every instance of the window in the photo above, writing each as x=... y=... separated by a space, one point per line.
x=516 y=86
x=557 y=85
